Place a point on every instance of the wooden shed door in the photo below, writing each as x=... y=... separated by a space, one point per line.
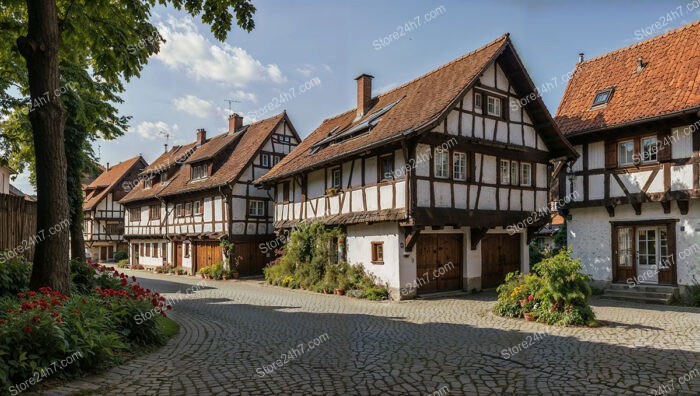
x=500 y=254
x=438 y=263
x=207 y=254
x=252 y=258
x=177 y=260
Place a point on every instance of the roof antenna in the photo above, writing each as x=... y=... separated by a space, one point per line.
x=230 y=104
x=166 y=135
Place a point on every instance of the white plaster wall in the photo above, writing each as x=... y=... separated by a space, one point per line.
x=681 y=177
x=682 y=145
x=589 y=235
x=490 y=170
x=596 y=186
x=359 y=250
x=578 y=165
x=596 y=155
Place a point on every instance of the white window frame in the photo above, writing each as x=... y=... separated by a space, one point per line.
x=654 y=152
x=197 y=208
x=163 y=177
x=265 y=160
x=514 y=173
x=459 y=165
x=504 y=170
x=188 y=209
x=478 y=100
x=526 y=181
x=148 y=182
x=336 y=183
x=256 y=208
x=442 y=163
x=178 y=210
x=275 y=160
x=630 y=161
x=200 y=172
x=493 y=106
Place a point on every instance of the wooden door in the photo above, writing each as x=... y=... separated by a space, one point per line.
x=500 y=254
x=252 y=259
x=177 y=260
x=103 y=253
x=438 y=263
x=207 y=254
x=110 y=252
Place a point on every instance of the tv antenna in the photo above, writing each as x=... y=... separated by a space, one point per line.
x=166 y=135
x=230 y=104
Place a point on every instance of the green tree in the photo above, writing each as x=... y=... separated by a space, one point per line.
x=42 y=43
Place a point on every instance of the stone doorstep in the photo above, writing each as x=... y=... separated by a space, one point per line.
x=649 y=294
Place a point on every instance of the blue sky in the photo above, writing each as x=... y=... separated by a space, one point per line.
x=328 y=43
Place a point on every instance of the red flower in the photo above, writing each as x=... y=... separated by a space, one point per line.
x=530 y=297
x=84 y=301
x=133 y=278
x=27 y=329
x=2 y=321
x=32 y=293
x=123 y=282
x=170 y=306
x=59 y=320
x=9 y=310
x=77 y=311
x=20 y=295
x=36 y=318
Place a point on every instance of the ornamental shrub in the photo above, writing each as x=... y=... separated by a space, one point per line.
x=14 y=275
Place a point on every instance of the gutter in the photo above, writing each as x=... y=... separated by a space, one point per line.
x=635 y=122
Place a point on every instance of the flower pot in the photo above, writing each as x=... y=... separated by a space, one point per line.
x=529 y=317
x=224 y=277
x=340 y=292
x=202 y=275
x=234 y=275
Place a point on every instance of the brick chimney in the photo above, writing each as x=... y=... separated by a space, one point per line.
x=235 y=122
x=201 y=137
x=364 y=93
x=165 y=146
x=107 y=167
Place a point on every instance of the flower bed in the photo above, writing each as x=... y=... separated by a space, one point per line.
x=555 y=293
x=97 y=323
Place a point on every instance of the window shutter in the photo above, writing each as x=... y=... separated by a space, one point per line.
x=610 y=154
x=665 y=146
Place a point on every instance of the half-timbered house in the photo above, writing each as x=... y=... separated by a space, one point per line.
x=103 y=226
x=195 y=195
x=427 y=178
x=633 y=115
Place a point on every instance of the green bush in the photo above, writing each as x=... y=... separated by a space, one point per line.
x=123 y=263
x=14 y=275
x=120 y=255
x=694 y=295
x=556 y=293
x=308 y=261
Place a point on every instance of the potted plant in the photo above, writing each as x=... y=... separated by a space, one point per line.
x=204 y=272
x=332 y=191
x=342 y=286
x=528 y=305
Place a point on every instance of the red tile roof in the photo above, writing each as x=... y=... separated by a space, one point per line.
x=109 y=179
x=239 y=148
x=669 y=83
x=419 y=104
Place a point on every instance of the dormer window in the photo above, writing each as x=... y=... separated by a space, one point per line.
x=493 y=106
x=148 y=182
x=602 y=97
x=163 y=177
x=200 y=171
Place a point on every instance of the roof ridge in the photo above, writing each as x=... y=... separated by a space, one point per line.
x=643 y=42
x=504 y=36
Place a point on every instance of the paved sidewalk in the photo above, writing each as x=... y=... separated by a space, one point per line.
x=233 y=334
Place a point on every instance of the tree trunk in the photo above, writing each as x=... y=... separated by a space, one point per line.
x=40 y=50
x=75 y=140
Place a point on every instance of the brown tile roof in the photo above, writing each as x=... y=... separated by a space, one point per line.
x=109 y=179
x=240 y=146
x=352 y=218
x=420 y=103
x=669 y=83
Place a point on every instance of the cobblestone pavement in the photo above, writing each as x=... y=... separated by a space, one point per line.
x=232 y=330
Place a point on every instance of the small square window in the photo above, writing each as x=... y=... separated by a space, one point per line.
x=650 y=149
x=625 y=153
x=602 y=97
x=200 y=171
x=378 y=252
x=148 y=182
x=493 y=106
x=256 y=208
x=387 y=167
x=285 y=139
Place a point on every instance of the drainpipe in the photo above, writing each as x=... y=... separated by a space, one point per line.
x=166 y=236
x=229 y=217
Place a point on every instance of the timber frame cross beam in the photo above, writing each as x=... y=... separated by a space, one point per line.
x=476 y=235
x=411 y=235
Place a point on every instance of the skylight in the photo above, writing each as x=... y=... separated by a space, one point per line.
x=602 y=97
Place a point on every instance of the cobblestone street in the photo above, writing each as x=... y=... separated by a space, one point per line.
x=234 y=332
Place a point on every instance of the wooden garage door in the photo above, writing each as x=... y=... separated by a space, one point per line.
x=252 y=258
x=207 y=254
x=438 y=263
x=500 y=254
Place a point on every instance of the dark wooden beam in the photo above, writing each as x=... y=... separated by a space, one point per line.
x=611 y=210
x=667 y=206
x=411 y=237
x=637 y=206
x=476 y=235
x=683 y=206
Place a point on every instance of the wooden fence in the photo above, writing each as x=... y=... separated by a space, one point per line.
x=17 y=226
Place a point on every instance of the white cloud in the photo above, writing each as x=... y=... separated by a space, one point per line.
x=188 y=50
x=383 y=88
x=198 y=107
x=151 y=130
x=243 y=96
x=306 y=70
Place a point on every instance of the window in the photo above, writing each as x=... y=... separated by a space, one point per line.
x=148 y=182
x=285 y=139
x=477 y=100
x=602 y=97
x=199 y=171
x=525 y=174
x=163 y=177
x=188 y=209
x=505 y=172
x=459 y=166
x=256 y=208
x=378 y=252
x=624 y=246
x=197 y=207
x=148 y=250
x=442 y=163
x=386 y=167
x=111 y=229
x=625 y=153
x=154 y=212
x=186 y=249
x=493 y=106
x=179 y=210
x=134 y=214
x=649 y=149
x=514 y=174
x=265 y=160
x=275 y=160
x=155 y=249
x=285 y=191
x=336 y=178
